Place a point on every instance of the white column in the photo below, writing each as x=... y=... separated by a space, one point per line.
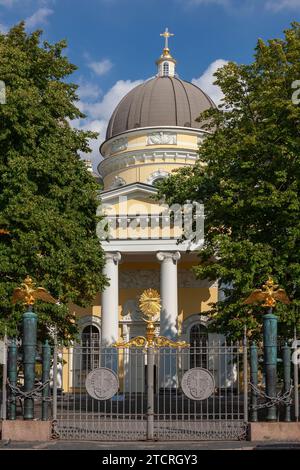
x=110 y=300
x=169 y=293
x=168 y=317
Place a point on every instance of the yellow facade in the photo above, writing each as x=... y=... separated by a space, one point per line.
x=140 y=160
x=142 y=249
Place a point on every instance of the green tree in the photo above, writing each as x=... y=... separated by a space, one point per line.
x=248 y=177
x=48 y=199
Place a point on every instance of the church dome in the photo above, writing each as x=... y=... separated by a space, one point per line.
x=160 y=101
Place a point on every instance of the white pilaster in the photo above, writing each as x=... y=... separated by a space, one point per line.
x=169 y=293
x=110 y=300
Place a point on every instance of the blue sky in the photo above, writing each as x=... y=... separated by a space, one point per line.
x=115 y=42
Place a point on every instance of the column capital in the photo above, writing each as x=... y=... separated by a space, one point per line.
x=113 y=257
x=165 y=255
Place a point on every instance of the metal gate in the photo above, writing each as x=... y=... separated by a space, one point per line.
x=151 y=401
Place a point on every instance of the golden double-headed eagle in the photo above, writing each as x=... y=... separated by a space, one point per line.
x=268 y=295
x=28 y=293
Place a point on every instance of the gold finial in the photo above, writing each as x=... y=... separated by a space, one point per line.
x=150 y=306
x=269 y=294
x=166 y=35
x=28 y=293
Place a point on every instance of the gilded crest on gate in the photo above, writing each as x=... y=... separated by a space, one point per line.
x=150 y=306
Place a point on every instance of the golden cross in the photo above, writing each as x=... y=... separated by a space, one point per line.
x=166 y=35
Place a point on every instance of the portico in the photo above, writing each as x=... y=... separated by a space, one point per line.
x=168 y=287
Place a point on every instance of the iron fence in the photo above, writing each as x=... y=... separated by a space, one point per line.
x=151 y=402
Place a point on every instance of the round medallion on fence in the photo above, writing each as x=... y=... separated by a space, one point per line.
x=102 y=383
x=198 y=383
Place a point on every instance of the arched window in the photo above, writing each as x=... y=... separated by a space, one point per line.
x=90 y=341
x=156 y=182
x=198 y=349
x=165 y=69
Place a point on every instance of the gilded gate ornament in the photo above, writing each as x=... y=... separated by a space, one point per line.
x=28 y=293
x=150 y=307
x=269 y=294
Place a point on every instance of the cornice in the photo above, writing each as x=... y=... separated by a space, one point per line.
x=146 y=130
x=127 y=159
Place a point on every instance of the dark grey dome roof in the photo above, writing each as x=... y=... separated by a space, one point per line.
x=160 y=101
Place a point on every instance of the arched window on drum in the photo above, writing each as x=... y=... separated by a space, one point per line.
x=90 y=341
x=198 y=346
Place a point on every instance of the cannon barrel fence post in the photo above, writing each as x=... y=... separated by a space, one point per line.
x=287 y=379
x=245 y=375
x=4 y=379
x=45 y=379
x=296 y=378
x=150 y=393
x=29 y=357
x=270 y=359
x=254 y=380
x=12 y=376
x=54 y=398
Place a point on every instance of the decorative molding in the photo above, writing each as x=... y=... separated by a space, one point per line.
x=186 y=278
x=141 y=131
x=200 y=139
x=119 y=145
x=89 y=320
x=144 y=279
x=130 y=311
x=131 y=314
x=149 y=245
x=166 y=256
x=162 y=138
x=192 y=320
x=112 y=164
x=117 y=182
x=127 y=190
x=113 y=257
x=157 y=175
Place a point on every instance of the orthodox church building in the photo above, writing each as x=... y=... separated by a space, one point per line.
x=153 y=131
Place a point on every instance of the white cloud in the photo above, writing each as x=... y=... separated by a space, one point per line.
x=88 y=90
x=99 y=112
x=278 y=5
x=207 y=79
x=3 y=28
x=101 y=67
x=39 y=17
x=104 y=108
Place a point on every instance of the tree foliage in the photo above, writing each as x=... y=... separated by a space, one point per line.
x=48 y=199
x=248 y=177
